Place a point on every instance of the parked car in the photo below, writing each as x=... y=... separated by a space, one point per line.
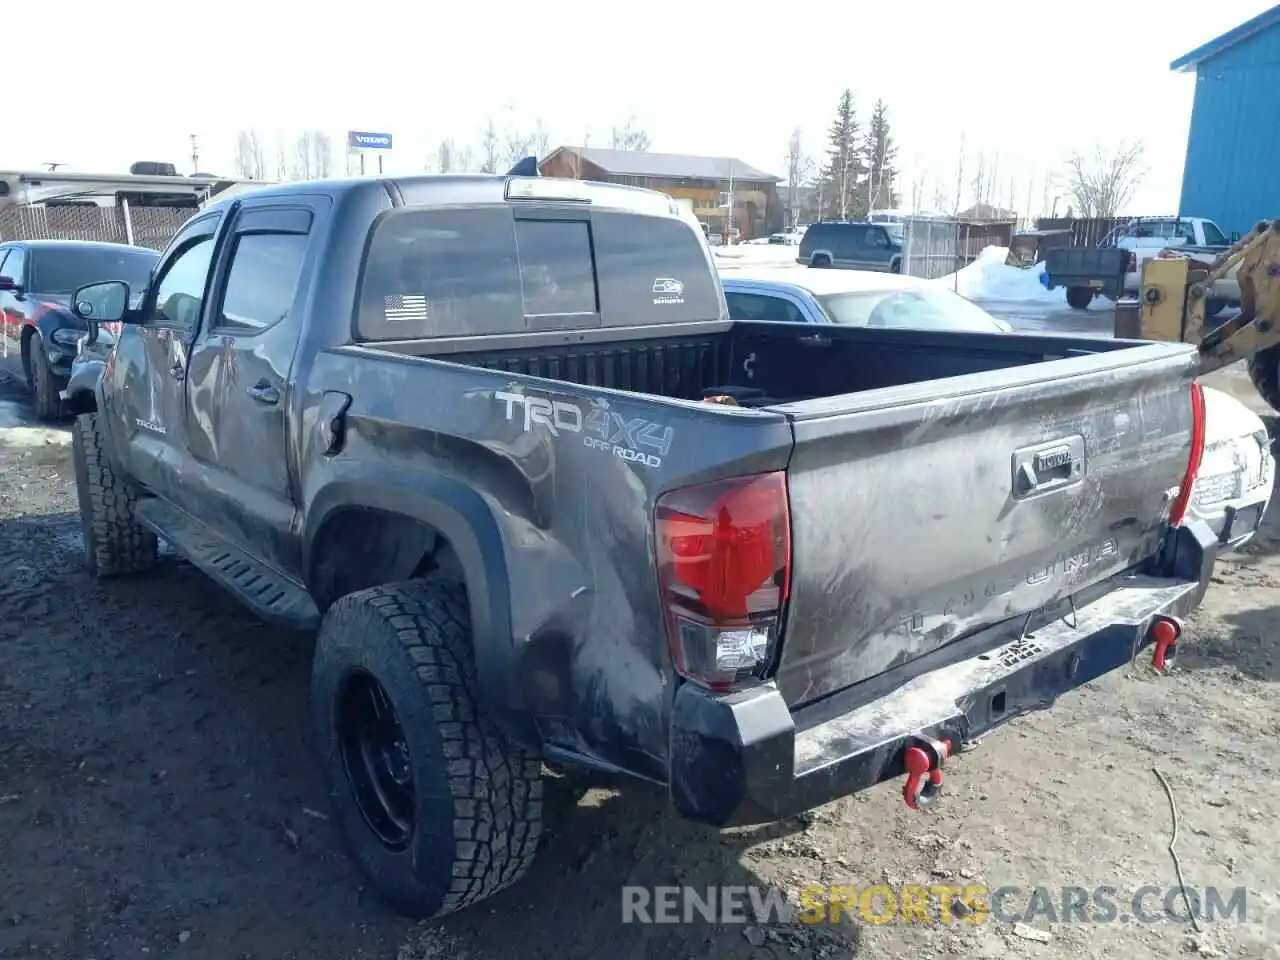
x=457 y=425
x=1238 y=468
x=37 y=279
x=852 y=298
x=851 y=245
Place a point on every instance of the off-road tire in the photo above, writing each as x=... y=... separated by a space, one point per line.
x=1079 y=298
x=114 y=543
x=45 y=384
x=1264 y=371
x=477 y=795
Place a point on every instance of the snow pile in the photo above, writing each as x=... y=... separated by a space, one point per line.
x=989 y=278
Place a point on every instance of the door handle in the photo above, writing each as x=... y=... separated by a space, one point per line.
x=264 y=392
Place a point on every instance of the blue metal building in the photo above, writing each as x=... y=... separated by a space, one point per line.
x=1232 y=172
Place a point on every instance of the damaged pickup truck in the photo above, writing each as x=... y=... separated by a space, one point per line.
x=460 y=425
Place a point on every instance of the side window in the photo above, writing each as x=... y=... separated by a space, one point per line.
x=851 y=241
x=762 y=307
x=1213 y=237
x=14 y=264
x=180 y=293
x=878 y=238
x=260 y=288
x=3 y=253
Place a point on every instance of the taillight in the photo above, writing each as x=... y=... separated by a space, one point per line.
x=1131 y=264
x=1179 y=508
x=724 y=570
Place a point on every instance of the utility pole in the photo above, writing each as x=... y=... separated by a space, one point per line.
x=195 y=155
x=728 y=231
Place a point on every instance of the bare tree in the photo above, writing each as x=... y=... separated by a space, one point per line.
x=799 y=172
x=1102 y=183
x=490 y=148
x=251 y=162
x=445 y=161
x=629 y=136
x=282 y=158
x=312 y=155
x=540 y=140
x=960 y=164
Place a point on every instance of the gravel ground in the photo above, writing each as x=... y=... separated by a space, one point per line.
x=159 y=796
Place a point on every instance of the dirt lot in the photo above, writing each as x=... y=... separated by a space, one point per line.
x=159 y=797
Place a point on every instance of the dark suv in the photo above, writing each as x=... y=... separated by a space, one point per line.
x=851 y=246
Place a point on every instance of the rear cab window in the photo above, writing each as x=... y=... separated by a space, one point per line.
x=493 y=270
x=66 y=269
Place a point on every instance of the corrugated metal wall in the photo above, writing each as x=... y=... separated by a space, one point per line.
x=1232 y=173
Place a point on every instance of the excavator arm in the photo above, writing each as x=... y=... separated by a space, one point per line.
x=1175 y=288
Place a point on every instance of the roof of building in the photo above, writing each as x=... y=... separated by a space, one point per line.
x=1263 y=21
x=637 y=163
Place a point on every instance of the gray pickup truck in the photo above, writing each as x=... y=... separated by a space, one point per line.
x=499 y=441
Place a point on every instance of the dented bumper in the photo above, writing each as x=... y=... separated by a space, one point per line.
x=746 y=757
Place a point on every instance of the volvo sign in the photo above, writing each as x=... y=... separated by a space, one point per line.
x=363 y=140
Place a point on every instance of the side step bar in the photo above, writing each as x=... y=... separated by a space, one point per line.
x=267 y=593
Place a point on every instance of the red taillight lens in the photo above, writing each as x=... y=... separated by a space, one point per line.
x=1179 y=508
x=724 y=568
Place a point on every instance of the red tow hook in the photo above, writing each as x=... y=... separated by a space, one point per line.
x=924 y=772
x=1165 y=632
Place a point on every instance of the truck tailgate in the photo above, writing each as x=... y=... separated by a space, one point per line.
x=923 y=513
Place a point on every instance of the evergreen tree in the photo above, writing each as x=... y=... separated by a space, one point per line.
x=877 y=189
x=844 y=154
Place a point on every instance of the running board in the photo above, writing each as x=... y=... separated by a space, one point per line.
x=267 y=593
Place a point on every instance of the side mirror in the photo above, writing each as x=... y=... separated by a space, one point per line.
x=11 y=285
x=105 y=302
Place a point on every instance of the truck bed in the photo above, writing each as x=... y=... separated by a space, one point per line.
x=765 y=364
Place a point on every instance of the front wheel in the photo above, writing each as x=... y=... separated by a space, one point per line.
x=437 y=806
x=1079 y=298
x=114 y=543
x=45 y=384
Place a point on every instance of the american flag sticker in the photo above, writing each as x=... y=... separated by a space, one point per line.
x=397 y=308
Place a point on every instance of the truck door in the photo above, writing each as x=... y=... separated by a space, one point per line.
x=145 y=406
x=238 y=385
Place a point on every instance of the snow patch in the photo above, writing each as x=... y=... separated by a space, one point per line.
x=15 y=431
x=990 y=278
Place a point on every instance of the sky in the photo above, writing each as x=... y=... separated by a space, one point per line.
x=1018 y=84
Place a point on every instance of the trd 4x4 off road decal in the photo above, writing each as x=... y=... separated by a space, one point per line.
x=628 y=438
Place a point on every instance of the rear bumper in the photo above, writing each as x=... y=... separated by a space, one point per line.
x=746 y=758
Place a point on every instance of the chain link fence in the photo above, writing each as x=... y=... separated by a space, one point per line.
x=935 y=247
x=143 y=226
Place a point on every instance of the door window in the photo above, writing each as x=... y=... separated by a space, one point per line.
x=849 y=241
x=878 y=239
x=180 y=294
x=265 y=268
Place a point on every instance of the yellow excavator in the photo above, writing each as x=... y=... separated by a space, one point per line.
x=1176 y=286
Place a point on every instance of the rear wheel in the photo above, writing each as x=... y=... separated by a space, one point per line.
x=1264 y=371
x=820 y=261
x=439 y=809
x=1079 y=298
